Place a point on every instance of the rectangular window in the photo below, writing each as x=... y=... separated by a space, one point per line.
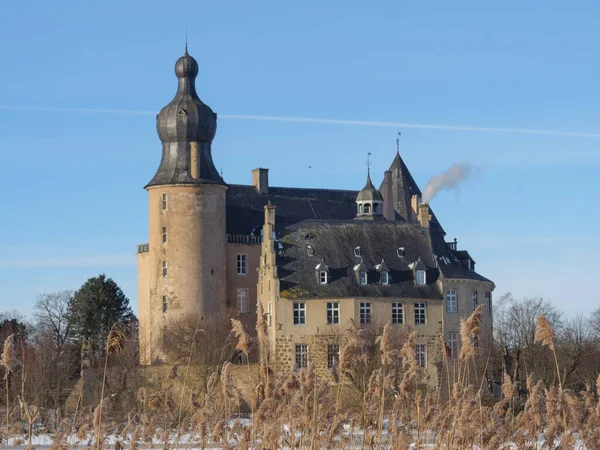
x=365 y=312
x=301 y=356
x=164 y=267
x=242 y=301
x=270 y=313
x=397 y=313
x=164 y=235
x=451 y=304
x=384 y=278
x=299 y=313
x=363 y=278
x=474 y=297
x=164 y=201
x=242 y=264
x=420 y=277
x=476 y=342
x=333 y=313
x=488 y=303
x=421 y=355
x=333 y=355
x=165 y=304
x=323 y=277
x=420 y=313
x=452 y=344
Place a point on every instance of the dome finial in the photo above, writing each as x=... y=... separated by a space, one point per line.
x=186 y=52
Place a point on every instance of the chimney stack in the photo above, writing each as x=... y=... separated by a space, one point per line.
x=424 y=215
x=388 y=197
x=260 y=180
x=415 y=201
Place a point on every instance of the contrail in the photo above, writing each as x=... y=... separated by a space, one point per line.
x=365 y=123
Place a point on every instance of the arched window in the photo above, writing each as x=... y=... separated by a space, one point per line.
x=367 y=208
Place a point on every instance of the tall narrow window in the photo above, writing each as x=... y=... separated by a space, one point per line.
x=164 y=201
x=242 y=301
x=488 y=303
x=384 y=278
x=165 y=304
x=420 y=313
x=299 y=313
x=397 y=313
x=421 y=350
x=242 y=264
x=301 y=356
x=333 y=313
x=365 y=312
x=270 y=313
x=474 y=297
x=164 y=267
x=323 y=277
x=451 y=304
x=363 y=278
x=164 y=234
x=333 y=355
x=420 y=277
x=452 y=344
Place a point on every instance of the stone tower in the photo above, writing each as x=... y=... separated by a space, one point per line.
x=184 y=275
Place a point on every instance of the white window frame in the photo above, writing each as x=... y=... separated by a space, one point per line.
x=164 y=235
x=241 y=264
x=301 y=356
x=299 y=313
x=398 y=313
x=385 y=278
x=451 y=301
x=364 y=310
x=165 y=268
x=164 y=202
x=488 y=303
x=474 y=300
x=323 y=277
x=452 y=343
x=333 y=313
x=363 y=278
x=165 y=303
x=420 y=277
x=420 y=310
x=421 y=355
x=333 y=355
x=243 y=301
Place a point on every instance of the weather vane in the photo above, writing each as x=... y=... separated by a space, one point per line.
x=398 y=140
x=186 y=40
x=369 y=162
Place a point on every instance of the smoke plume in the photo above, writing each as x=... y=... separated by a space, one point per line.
x=445 y=181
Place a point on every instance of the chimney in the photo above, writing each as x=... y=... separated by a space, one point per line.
x=424 y=216
x=415 y=201
x=260 y=180
x=388 y=197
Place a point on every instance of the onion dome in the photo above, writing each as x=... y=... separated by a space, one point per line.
x=186 y=118
x=369 y=193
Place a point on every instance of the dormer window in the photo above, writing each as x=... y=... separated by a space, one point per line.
x=363 y=278
x=323 y=277
x=310 y=250
x=384 y=278
x=400 y=252
x=420 y=277
x=357 y=252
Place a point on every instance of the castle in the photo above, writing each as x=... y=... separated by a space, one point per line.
x=313 y=258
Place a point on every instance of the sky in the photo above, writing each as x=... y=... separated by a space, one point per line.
x=511 y=88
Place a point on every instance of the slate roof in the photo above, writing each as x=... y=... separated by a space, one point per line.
x=334 y=243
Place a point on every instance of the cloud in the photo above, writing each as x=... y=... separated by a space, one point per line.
x=69 y=261
x=366 y=123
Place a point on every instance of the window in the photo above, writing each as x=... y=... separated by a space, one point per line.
x=357 y=252
x=333 y=355
x=365 y=312
x=333 y=313
x=476 y=342
x=420 y=277
x=421 y=355
x=400 y=252
x=452 y=344
x=165 y=304
x=242 y=301
x=241 y=358
x=164 y=268
x=270 y=313
x=363 y=278
x=488 y=303
x=451 y=305
x=367 y=208
x=301 y=356
x=397 y=313
x=474 y=297
x=384 y=278
x=242 y=264
x=323 y=277
x=420 y=313
x=299 y=313
x=164 y=201
x=164 y=235
x=310 y=250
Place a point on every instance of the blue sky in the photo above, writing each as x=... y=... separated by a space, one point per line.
x=72 y=179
